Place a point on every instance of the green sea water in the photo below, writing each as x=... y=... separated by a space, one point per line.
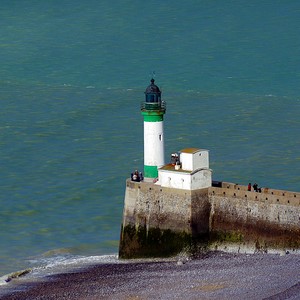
x=72 y=77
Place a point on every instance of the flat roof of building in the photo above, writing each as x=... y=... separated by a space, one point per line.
x=171 y=167
x=191 y=150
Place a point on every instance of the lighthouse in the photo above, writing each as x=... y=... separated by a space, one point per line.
x=153 y=110
x=184 y=210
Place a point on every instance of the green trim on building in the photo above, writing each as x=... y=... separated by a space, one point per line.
x=150 y=171
x=150 y=116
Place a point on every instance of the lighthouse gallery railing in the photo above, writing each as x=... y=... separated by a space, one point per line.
x=154 y=105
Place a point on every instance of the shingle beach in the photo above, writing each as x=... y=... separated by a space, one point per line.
x=214 y=276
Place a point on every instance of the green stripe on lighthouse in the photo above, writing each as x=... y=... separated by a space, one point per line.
x=150 y=171
x=151 y=116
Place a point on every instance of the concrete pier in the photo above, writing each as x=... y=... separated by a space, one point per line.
x=160 y=221
x=177 y=206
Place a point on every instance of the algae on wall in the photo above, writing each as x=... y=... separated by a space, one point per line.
x=138 y=242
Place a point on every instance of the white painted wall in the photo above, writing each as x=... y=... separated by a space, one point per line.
x=154 y=144
x=185 y=180
x=177 y=180
x=194 y=161
x=201 y=179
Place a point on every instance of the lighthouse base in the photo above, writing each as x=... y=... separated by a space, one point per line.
x=161 y=222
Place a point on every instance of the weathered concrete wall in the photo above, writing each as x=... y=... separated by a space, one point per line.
x=261 y=221
x=161 y=218
x=160 y=221
x=150 y=205
x=200 y=212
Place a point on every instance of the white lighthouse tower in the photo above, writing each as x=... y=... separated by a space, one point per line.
x=153 y=110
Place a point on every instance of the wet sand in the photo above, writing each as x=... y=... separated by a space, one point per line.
x=214 y=276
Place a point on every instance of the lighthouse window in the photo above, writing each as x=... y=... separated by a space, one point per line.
x=160 y=137
x=150 y=98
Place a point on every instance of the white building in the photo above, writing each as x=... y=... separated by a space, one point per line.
x=190 y=172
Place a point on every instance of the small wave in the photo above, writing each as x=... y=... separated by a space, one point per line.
x=63 y=263
x=46 y=266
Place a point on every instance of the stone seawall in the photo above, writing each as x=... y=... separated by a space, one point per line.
x=159 y=221
x=250 y=220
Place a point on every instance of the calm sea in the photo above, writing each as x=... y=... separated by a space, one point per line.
x=72 y=76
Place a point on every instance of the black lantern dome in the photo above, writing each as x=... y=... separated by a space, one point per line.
x=153 y=93
x=153 y=100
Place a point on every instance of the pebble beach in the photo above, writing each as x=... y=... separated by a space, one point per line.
x=216 y=275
